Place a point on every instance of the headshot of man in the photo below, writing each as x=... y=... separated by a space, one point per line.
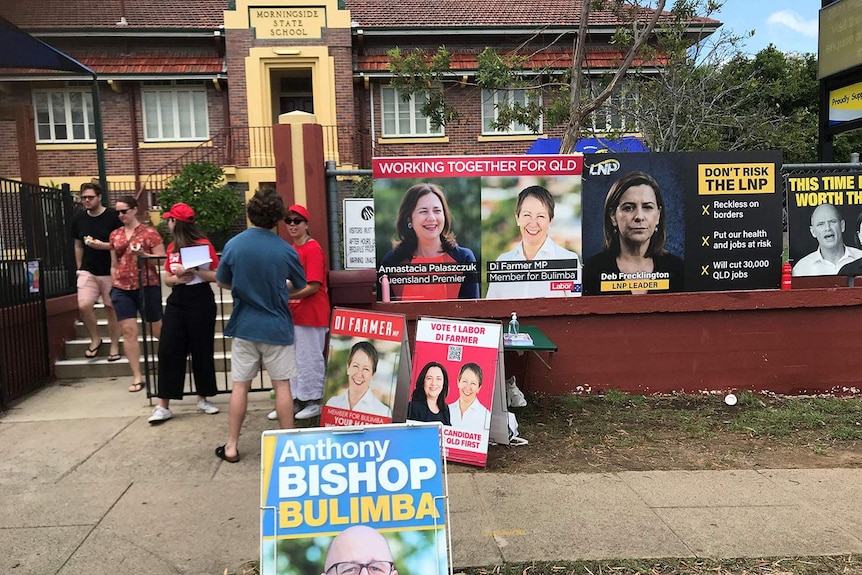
x=827 y=227
x=357 y=548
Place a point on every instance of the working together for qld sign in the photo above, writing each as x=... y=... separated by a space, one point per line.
x=319 y=482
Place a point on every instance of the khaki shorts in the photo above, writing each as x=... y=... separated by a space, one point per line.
x=246 y=358
x=90 y=287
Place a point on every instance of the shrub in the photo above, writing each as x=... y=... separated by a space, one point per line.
x=216 y=205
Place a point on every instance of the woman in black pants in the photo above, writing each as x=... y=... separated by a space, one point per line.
x=188 y=325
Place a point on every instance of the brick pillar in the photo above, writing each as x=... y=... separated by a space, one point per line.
x=297 y=142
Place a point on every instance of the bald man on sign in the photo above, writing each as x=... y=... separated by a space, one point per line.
x=827 y=227
x=357 y=548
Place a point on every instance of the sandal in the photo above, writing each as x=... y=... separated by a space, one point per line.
x=93 y=351
x=115 y=357
x=220 y=453
x=135 y=387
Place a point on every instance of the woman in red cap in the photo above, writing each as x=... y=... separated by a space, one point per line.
x=190 y=314
x=310 y=309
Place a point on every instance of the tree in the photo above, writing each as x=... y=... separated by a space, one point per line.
x=201 y=185
x=571 y=97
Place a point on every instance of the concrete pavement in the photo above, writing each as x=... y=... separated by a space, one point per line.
x=88 y=487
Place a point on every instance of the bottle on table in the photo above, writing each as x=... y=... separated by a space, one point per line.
x=514 y=326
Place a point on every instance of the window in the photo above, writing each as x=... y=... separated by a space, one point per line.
x=615 y=114
x=64 y=116
x=405 y=118
x=175 y=111
x=491 y=102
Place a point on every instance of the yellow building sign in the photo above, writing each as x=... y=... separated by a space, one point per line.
x=295 y=22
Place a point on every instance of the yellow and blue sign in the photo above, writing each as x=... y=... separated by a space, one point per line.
x=845 y=104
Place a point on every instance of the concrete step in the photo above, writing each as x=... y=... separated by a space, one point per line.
x=102 y=325
x=224 y=307
x=75 y=348
x=82 y=368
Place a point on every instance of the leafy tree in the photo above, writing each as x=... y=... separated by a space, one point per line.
x=571 y=99
x=201 y=185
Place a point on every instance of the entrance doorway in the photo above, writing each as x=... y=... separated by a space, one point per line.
x=292 y=91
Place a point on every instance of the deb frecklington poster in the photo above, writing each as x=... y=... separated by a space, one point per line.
x=465 y=353
x=366 y=351
x=378 y=488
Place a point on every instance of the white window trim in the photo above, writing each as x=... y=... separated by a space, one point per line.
x=624 y=98
x=415 y=117
x=507 y=94
x=67 y=120
x=174 y=87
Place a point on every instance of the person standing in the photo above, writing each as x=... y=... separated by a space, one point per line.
x=188 y=325
x=256 y=266
x=310 y=309
x=128 y=243
x=91 y=230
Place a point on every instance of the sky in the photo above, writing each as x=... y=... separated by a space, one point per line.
x=791 y=25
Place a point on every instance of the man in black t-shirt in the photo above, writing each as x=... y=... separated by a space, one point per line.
x=90 y=231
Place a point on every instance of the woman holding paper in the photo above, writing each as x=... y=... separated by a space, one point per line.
x=190 y=313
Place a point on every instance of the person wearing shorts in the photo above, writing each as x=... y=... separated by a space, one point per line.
x=91 y=229
x=128 y=243
x=255 y=266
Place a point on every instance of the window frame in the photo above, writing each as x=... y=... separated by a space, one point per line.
x=174 y=88
x=611 y=116
x=508 y=94
x=413 y=112
x=87 y=114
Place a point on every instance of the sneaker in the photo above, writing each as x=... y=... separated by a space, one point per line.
x=160 y=415
x=514 y=396
x=311 y=409
x=272 y=415
x=207 y=407
x=297 y=407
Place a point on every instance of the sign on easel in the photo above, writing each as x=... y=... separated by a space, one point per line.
x=368 y=372
x=457 y=378
x=358 y=494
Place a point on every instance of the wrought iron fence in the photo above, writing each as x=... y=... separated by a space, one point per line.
x=35 y=224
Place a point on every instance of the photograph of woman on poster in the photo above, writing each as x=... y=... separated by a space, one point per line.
x=428 y=402
x=424 y=236
x=467 y=412
x=534 y=213
x=635 y=232
x=361 y=367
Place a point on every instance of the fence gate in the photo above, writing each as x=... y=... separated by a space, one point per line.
x=36 y=260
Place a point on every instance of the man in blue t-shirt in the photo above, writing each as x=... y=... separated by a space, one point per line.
x=258 y=268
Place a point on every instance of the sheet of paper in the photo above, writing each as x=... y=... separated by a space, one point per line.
x=195 y=256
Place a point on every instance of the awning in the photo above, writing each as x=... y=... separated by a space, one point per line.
x=589 y=145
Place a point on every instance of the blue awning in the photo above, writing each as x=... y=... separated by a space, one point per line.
x=589 y=145
x=21 y=50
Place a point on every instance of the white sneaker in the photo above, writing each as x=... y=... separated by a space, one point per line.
x=272 y=415
x=160 y=415
x=311 y=409
x=207 y=407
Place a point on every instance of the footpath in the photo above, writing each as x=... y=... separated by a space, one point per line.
x=88 y=487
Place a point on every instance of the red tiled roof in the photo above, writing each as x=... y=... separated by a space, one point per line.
x=599 y=57
x=162 y=63
x=69 y=14
x=477 y=13
x=153 y=64
x=208 y=14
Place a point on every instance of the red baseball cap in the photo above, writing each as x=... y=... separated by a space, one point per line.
x=296 y=208
x=180 y=212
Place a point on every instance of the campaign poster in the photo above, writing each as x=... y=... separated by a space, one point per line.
x=824 y=216
x=363 y=495
x=681 y=222
x=454 y=373
x=469 y=227
x=364 y=367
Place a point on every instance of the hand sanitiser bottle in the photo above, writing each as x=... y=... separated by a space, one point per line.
x=513 y=324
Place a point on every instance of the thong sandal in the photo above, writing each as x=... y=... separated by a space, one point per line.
x=93 y=351
x=220 y=453
x=137 y=386
x=115 y=357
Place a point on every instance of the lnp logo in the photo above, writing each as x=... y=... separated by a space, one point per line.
x=604 y=168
